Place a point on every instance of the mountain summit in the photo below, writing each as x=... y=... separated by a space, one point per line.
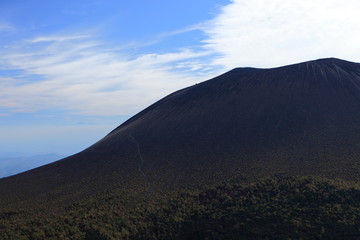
x=301 y=119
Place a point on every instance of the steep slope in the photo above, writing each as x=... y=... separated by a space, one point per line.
x=301 y=119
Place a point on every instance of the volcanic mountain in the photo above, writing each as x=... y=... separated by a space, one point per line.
x=301 y=119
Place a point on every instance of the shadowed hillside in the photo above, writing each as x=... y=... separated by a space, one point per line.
x=301 y=119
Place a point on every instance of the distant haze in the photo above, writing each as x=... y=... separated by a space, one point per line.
x=13 y=163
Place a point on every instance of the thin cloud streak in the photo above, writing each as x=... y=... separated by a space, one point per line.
x=56 y=38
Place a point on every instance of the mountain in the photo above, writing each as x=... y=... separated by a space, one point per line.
x=302 y=119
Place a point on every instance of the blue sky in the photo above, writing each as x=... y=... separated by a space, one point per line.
x=71 y=71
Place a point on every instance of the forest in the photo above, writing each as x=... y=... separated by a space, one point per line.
x=278 y=207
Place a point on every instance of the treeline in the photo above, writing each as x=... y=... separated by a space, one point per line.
x=272 y=208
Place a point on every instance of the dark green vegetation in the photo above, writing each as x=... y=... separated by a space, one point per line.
x=298 y=120
x=273 y=208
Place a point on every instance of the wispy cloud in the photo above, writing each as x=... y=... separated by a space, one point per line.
x=76 y=74
x=270 y=33
x=56 y=38
x=5 y=27
x=195 y=27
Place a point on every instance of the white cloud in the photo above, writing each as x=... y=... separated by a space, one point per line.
x=267 y=33
x=74 y=73
x=55 y=38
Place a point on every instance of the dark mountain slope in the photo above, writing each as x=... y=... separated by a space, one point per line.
x=301 y=119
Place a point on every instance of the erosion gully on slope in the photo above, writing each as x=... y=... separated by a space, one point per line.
x=148 y=185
